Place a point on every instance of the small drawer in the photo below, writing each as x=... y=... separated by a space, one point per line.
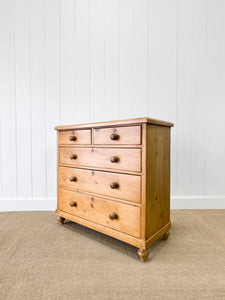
x=117 y=136
x=122 y=217
x=122 y=186
x=75 y=137
x=110 y=158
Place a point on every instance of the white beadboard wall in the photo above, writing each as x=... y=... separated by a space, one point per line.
x=74 y=61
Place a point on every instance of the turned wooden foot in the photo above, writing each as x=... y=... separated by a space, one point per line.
x=61 y=220
x=166 y=235
x=143 y=254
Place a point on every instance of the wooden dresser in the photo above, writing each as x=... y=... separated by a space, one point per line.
x=114 y=177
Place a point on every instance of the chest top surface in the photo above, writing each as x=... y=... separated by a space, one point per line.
x=115 y=123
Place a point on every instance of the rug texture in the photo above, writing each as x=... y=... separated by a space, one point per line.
x=41 y=259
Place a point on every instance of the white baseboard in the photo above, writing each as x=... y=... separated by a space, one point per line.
x=198 y=202
x=49 y=204
x=28 y=204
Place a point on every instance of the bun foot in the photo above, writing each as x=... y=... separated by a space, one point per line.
x=143 y=254
x=61 y=220
x=165 y=236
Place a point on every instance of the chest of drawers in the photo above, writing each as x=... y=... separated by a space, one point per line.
x=114 y=177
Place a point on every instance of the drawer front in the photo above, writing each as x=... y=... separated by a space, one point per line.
x=122 y=186
x=117 y=159
x=122 y=217
x=118 y=136
x=76 y=137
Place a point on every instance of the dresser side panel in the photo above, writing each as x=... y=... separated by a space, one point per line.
x=57 y=168
x=157 y=178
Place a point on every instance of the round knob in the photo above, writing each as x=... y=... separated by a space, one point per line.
x=73 y=178
x=113 y=216
x=114 y=159
x=73 y=138
x=73 y=204
x=73 y=156
x=114 y=136
x=114 y=185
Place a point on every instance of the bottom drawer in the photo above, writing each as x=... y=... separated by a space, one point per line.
x=122 y=217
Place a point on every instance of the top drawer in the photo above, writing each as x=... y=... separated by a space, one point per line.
x=75 y=137
x=117 y=136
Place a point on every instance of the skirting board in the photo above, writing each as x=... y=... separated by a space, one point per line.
x=28 y=204
x=49 y=204
x=198 y=202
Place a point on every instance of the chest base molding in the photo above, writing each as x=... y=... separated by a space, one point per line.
x=136 y=242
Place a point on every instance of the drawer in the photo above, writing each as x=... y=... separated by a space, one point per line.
x=117 y=136
x=122 y=186
x=75 y=137
x=118 y=216
x=113 y=158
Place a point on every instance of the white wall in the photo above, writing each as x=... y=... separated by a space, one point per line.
x=74 y=61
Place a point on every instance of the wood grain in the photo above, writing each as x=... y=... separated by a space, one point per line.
x=81 y=137
x=126 y=159
x=126 y=135
x=143 y=254
x=99 y=182
x=157 y=235
x=98 y=210
x=137 y=242
x=157 y=178
x=93 y=185
x=126 y=122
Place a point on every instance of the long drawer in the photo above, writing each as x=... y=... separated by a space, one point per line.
x=111 y=158
x=122 y=217
x=127 y=187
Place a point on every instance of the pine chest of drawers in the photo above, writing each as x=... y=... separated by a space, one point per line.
x=114 y=177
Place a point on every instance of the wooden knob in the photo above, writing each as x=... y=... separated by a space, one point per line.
x=113 y=216
x=114 y=136
x=73 y=138
x=114 y=185
x=73 y=204
x=73 y=156
x=73 y=178
x=114 y=159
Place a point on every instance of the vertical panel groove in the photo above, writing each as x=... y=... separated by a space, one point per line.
x=204 y=112
x=89 y=53
x=148 y=67
x=104 y=60
x=133 y=43
x=60 y=63
x=119 y=59
x=14 y=70
x=75 y=73
x=177 y=81
x=31 y=129
x=45 y=104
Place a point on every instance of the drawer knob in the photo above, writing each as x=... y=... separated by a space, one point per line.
x=114 y=185
x=73 y=138
x=114 y=159
x=114 y=136
x=73 y=178
x=73 y=204
x=113 y=216
x=73 y=156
